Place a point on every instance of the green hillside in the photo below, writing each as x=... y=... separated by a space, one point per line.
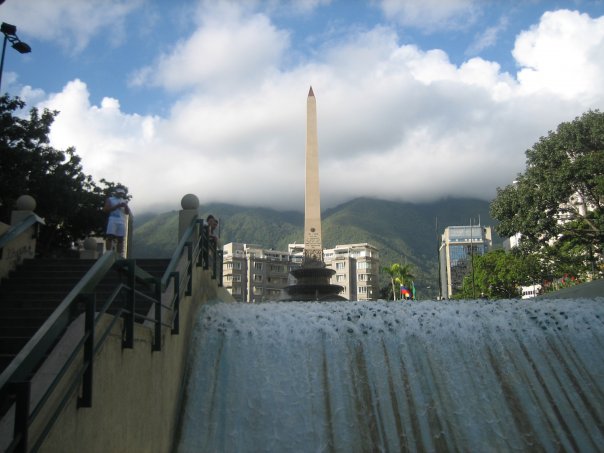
x=403 y=232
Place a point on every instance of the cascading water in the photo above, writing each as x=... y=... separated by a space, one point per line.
x=391 y=376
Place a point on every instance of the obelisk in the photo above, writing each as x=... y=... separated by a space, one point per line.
x=312 y=277
x=313 y=247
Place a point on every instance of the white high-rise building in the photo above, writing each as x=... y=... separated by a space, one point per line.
x=357 y=269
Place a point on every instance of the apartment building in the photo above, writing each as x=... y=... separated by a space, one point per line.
x=458 y=246
x=357 y=269
x=254 y=274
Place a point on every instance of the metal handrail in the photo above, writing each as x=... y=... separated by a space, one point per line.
x=15 y=378
x=31 y=353
x=17 y=230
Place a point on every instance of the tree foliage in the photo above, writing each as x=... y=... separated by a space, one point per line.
x=557 y=203
x=69 y=200
x=499 y=275
x=400 y=274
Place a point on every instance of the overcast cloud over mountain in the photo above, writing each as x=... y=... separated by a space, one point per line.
x=416 y=100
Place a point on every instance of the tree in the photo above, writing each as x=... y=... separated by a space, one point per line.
x=69 y=200
x=557 y=203
x=399 y=274
x=499 y=275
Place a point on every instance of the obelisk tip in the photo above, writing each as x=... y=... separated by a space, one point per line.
x=310 y=93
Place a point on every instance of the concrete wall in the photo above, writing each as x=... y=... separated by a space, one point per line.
x=24 y=246
x=136 y=392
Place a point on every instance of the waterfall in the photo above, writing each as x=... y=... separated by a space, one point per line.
x=396 y=376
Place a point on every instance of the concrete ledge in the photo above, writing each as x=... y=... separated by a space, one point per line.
x=588 y=290
x=137 y=393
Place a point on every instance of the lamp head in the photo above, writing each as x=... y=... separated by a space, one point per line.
x=8 y=29
x=21 y=47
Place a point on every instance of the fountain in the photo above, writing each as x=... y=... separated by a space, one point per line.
x=312 y=284
x=388 y=376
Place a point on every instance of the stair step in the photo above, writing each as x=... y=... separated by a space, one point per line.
x=20 y=330
x=12 y=345
x=31 y=302
x=34 y=290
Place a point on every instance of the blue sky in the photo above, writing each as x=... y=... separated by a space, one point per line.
x=417 y=100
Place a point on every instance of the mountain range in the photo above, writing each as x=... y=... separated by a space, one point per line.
x=403 y=232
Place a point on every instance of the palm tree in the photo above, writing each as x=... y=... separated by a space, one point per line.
x=399 y=275
x=405 y=274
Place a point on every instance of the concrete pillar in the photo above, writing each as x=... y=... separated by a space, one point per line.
x=190 y=210
x=22 y=247
x=91 y=249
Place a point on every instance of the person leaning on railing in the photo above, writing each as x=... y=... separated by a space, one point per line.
x=212 y=225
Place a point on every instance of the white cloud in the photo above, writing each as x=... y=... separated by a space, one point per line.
x=72 y=23
x=431 y=14
x=562 y=55
x=395 y=121
x=227 y=50
x=488 y=38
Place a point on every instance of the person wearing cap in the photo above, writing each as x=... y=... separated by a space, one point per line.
x=117 y=208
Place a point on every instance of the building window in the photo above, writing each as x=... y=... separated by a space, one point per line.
x=276 y=268
x=258 y=266
x=340 y=266
x=235 y=277
x=237 y=265
x=341 y=278
x=257 y=277
x=257 y=289
x=362 y=290
x=363 y=277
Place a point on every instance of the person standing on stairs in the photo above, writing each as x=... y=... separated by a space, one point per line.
x=117 y=208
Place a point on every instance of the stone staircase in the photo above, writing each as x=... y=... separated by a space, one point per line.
x=34 y=290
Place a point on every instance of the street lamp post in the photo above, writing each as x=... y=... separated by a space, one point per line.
x=10 y=35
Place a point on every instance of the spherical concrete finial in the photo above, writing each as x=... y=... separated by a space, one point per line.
x=26 y=203
x=189 y=201
x=89 y=244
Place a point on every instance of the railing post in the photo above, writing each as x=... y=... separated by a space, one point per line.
x=189 y=269
x=220 y=266
x=22 y=392
x=176 y=320
x=85 y=400
x=200 y=242
x=205 y=234
x=158 y=310
x=214 y=259
x=128 y=339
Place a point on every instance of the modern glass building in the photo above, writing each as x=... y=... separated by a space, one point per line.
x=458 y=247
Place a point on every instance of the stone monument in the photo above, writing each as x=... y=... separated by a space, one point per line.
x=312 y=278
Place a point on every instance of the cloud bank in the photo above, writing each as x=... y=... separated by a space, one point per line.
x=395 y=121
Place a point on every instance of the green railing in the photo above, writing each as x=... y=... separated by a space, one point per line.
x=15 y=381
